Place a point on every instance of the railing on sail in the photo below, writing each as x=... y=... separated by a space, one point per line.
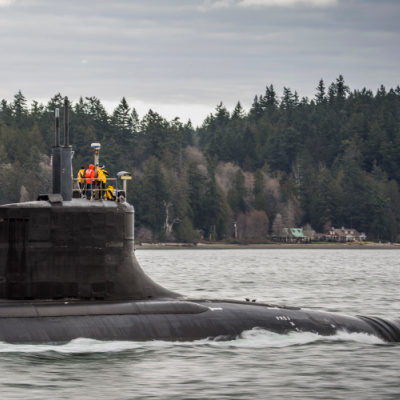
x=98 y=191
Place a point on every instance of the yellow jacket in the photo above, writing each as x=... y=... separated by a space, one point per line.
x=110 y=193
x=102 y=175
x=81 y=175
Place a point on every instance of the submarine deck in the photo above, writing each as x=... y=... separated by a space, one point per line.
x=22 y=321
x=68 y=204
x=72 y=307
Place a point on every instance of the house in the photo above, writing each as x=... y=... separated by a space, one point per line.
x=292 y=235
x=344 y=235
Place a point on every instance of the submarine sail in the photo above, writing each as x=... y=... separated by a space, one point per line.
x=68 y=269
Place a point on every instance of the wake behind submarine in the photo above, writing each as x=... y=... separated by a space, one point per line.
x=68 y=270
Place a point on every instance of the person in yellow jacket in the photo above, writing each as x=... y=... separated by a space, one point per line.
x=101 y=180
x=81 y=180
x=110 y=193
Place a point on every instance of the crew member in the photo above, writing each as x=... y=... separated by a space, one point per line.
x=110 y=193
x=101 y=180
x=81 y=180
x=89 y=175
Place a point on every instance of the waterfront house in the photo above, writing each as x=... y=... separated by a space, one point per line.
x=344 y=235
x=292 y=235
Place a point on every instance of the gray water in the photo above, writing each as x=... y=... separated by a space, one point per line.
x=258 y=364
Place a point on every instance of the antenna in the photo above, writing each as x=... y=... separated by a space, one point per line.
x=57 y=115
x=56 y=164
x=124 y=176
x=62 y=158
x=66 y=122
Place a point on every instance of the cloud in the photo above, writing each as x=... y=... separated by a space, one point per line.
x=286 y=3
x=6 y=3
x=268 y=3
x=221 y=3
x=168 y=57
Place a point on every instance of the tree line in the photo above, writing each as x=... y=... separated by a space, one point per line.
x=289 y=161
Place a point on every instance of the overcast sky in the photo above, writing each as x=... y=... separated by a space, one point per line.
x=182 y=57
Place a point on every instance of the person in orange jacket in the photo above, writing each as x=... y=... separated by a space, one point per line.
x=89 y=175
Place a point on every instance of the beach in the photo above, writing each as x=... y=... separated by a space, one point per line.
x=222 y=245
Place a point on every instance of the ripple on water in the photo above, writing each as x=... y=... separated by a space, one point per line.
x=258 y=364
x=252 y=339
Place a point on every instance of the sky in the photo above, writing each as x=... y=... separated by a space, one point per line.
x=183 y=57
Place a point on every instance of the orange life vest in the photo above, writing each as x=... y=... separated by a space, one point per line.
x=90 y=175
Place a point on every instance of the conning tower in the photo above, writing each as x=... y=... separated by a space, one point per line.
x=60 y=247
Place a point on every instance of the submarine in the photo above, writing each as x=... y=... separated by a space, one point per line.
x=68 y=270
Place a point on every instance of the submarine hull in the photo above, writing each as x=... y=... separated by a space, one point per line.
x=172 y=320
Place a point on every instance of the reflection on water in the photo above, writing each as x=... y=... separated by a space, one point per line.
x=258 y=364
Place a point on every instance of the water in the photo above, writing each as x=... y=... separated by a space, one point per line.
x=258 y=364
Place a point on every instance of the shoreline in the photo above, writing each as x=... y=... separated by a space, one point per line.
x=271 y=246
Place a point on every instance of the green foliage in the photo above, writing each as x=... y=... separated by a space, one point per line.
x=152 y=197
x=184 y=232
x=237 y=195
x=332 y=160
x=122 y=118
x=339 y=138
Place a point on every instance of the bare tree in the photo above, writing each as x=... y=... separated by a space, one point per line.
x=144 y=234
x=309 y=231
x=169 y=223
x=277 y=226
x=24 y=194
x=291 y=213
x=253 y=225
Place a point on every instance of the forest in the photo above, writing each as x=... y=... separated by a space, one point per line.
x=332 y=160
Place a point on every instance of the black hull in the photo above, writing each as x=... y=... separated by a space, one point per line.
x=173 y=320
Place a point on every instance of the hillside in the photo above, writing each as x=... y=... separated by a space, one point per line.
x=290 y=161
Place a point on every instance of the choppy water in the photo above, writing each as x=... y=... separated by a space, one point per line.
x=257 y=365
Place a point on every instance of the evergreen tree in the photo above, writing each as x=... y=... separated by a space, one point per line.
x=36 y=110
x=237 y=195
x=135 y=123
x=270 y=99
x=332 y=92
x=122 y=117
x=260 y=200
x=341 y=89
x=154 y=130
x=6 y=113
x=57 y=101
x=96 y=110
x=256 y=110
x=288 y=99
x=320 y=95
x=19 y=107
x=238 y=112
x=216 y=211
x=152 y=197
